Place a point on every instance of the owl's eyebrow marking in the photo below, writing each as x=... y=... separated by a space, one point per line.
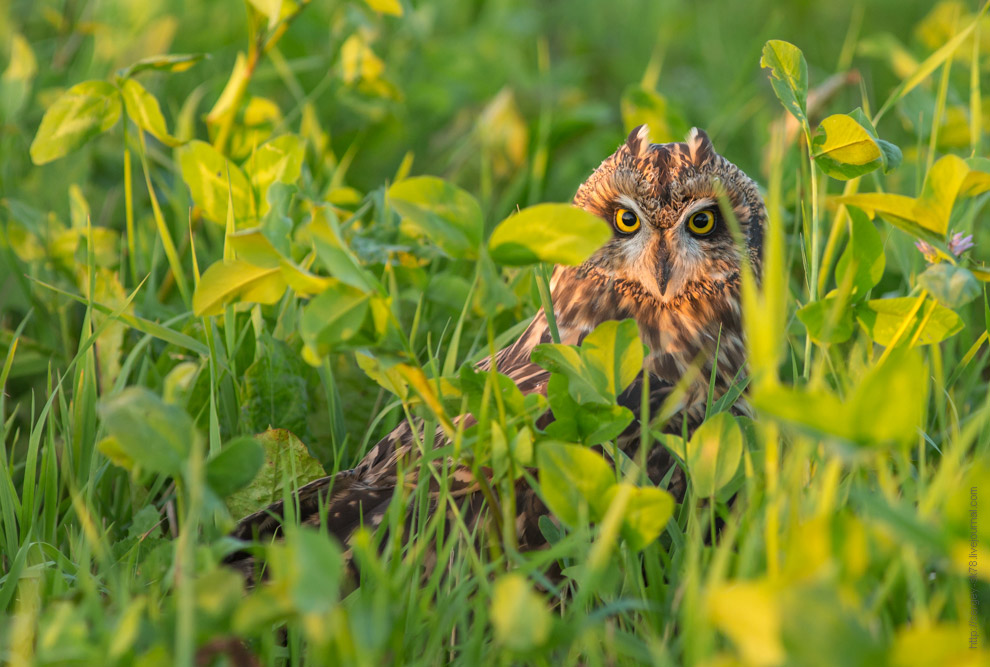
x=698 y=205
x=626 y=201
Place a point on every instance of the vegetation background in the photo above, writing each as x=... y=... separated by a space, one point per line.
x=211 y=292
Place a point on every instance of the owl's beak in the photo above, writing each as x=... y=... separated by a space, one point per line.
x=663 y=255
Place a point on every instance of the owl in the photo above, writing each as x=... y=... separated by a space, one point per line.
x=672 y=264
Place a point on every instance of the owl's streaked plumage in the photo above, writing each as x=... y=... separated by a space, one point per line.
x=672 y=264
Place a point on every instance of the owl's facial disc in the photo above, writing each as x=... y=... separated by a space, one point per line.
x=662 y=203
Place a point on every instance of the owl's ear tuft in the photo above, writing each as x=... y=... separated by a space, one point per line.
x=638 y=142
x=700 y=146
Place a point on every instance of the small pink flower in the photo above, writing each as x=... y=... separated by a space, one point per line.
x=926 y=249
x=960 y=244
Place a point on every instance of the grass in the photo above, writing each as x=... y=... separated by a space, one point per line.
x=141 y=372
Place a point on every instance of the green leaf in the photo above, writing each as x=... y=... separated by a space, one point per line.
x=953 y=286
x=554 y=233
x=342 y=317
x=237 y=280
x=788 y=76
x=153 y=434
x=609 y=359
x=79 y=114
x=899 y=210
x=285 y=458
x=886 y=406
x=572 y=476
x=520 y=616
x=883 y=318
x=827 y=320
x=205 y=172
x=308 y=567
x=642 y=106
x=277 y=160
x=334 y=253
x=890 y=154
x=844 y=149
x=889 y=402
x=234 y=466
x=614 y=348
x=274 y=391
x=172 y=62
x=590 y=423
x=713 y=454
x=450 y=217
x=647 y=513
x=948 y=178
x=17 y=79
x=585 y=383
x=143 y=109
x=863 y=256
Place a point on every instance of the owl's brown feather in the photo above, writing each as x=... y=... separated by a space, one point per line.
x=682 y=290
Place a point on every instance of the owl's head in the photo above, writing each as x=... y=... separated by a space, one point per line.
x=670 y=238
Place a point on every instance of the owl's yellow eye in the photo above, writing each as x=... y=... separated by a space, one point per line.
x=702 y=223
x=626 y=221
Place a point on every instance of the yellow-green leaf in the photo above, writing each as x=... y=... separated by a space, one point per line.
x=390 y=7
x=143 y=109
x=713 y=454
x=206 y=171
x=520 y=616
x=555 y=233
x=749 y=613
x=226 y=282
x=78 y=115
x=788 y=76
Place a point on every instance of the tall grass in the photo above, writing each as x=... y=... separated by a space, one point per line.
x=222 y=282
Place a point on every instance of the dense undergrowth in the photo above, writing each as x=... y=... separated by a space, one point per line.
x=230 y=270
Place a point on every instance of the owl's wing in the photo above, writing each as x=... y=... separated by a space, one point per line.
x=354 y=496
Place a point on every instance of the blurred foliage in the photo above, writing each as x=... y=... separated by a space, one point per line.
x=240 y=241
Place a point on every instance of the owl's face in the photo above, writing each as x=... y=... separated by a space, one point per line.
x=670 y=238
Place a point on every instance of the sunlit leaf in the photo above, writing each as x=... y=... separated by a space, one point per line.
x=358 y=61
x=390 y=7
x=206 y=172
x=646 y=514
x=572 y=476
x=863 y=257
x=884 y=407
x=788 y=76
x=608 y=360
x=883 y=318
x=17 y=79
x=448 y=216
x=79 y=114
x=277 y=160
x=843 y=148
x=827 y=320
x=172 y=62
x=237 y=280
x=938 y=644
x=555 y=233
x=748 y=612
x=521 y=618
x=143 y=109
x=713 y=454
